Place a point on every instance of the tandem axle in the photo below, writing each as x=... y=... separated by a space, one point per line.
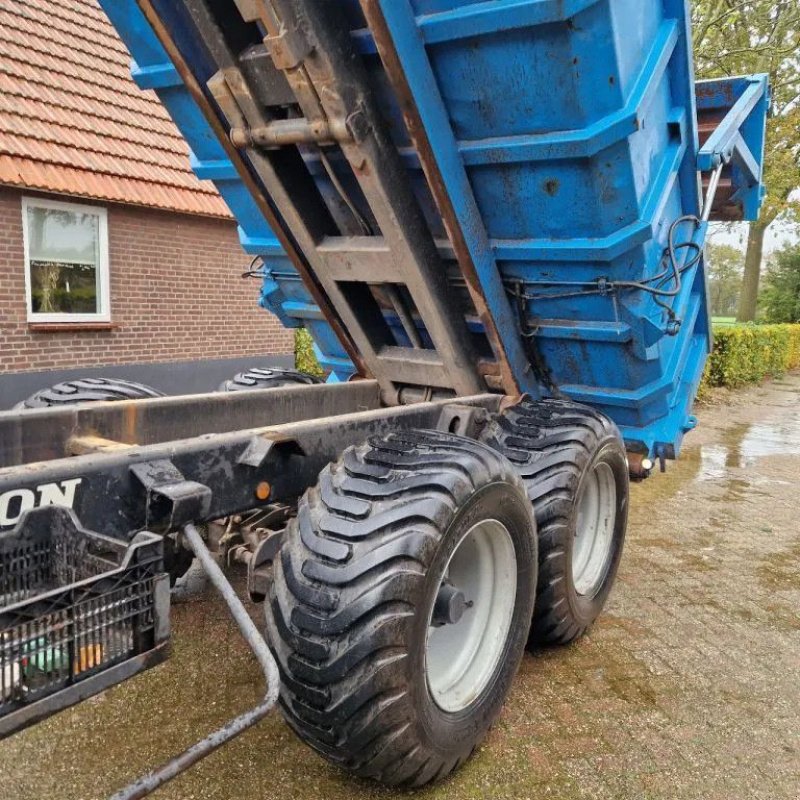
x=457 y=471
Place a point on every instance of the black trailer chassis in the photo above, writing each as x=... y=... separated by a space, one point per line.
x=118 y=472
x=157 y=464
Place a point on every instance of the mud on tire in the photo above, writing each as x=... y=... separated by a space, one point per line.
x=354 y=586
x=558 y=448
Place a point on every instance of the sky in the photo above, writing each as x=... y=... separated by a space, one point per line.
x=735 y=234
x=779 y=234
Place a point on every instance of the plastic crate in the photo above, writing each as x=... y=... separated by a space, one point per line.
x=79 y=612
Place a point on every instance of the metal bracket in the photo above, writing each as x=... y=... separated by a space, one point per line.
x=172 y=501
x=259 y=566
x=260 y=448
x=463 y=420
x=288 y=49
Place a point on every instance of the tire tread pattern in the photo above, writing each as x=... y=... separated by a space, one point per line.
x=341 y=603
x=550 y=443
x=267 y=378
x=88 y=390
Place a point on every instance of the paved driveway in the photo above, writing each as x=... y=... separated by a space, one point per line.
x=688 y=687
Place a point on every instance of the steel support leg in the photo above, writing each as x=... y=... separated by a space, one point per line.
x=180 y=763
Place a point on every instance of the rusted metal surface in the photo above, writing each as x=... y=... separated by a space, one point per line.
x=305 y=226
x=81 y=445
x=731 y=118
x=315 y=51
x=41 y=434
x=158 y=486
x=723 y=207
x=291 y=131
x=299 y=262
x=419 y=137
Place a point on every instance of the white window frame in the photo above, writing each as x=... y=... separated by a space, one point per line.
x=103 y=313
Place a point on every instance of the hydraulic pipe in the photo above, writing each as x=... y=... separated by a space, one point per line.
x=713 y=185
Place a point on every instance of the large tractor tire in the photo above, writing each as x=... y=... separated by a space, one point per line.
x=573 y=462
x=267 y=378
x=88 y=390
x=401 y=602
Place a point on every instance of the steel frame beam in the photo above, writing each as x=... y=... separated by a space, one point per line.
x=164 y=485
x=52 y=433
x=402 y=51
x=333 y=92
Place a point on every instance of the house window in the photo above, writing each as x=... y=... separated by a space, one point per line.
x=66 y=261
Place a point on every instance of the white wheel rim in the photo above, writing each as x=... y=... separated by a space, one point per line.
x=594 y=530
x=461 y=658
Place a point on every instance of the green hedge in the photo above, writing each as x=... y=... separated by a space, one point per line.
x=749 y=353
x=304 y=358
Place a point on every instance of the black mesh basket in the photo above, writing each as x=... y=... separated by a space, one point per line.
x=78 y=612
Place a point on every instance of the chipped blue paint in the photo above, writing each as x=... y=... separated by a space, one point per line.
x=576 y=126
x=566 y=136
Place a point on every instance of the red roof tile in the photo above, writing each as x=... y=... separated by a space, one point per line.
x=72 y=121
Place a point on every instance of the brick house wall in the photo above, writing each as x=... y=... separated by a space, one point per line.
x=176 y=295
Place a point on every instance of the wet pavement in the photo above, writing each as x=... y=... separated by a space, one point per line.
x=688 y=686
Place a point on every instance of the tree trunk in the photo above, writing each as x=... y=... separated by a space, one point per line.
x=748 y=299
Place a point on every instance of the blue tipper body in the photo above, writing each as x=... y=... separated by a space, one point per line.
x=569 y=135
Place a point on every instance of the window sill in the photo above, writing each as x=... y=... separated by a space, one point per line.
x=70 y=327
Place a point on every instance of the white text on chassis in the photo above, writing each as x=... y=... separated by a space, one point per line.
x=14 y=503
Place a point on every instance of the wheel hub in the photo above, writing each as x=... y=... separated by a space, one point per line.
x=471 y=616
x=594 y=529
x=450 y=606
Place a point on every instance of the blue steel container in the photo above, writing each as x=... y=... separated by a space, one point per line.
x=571 y=127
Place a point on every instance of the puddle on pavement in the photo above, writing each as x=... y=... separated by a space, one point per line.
x=723 y=463
x=742 y=445
x=764 y=439
x=713 y=462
